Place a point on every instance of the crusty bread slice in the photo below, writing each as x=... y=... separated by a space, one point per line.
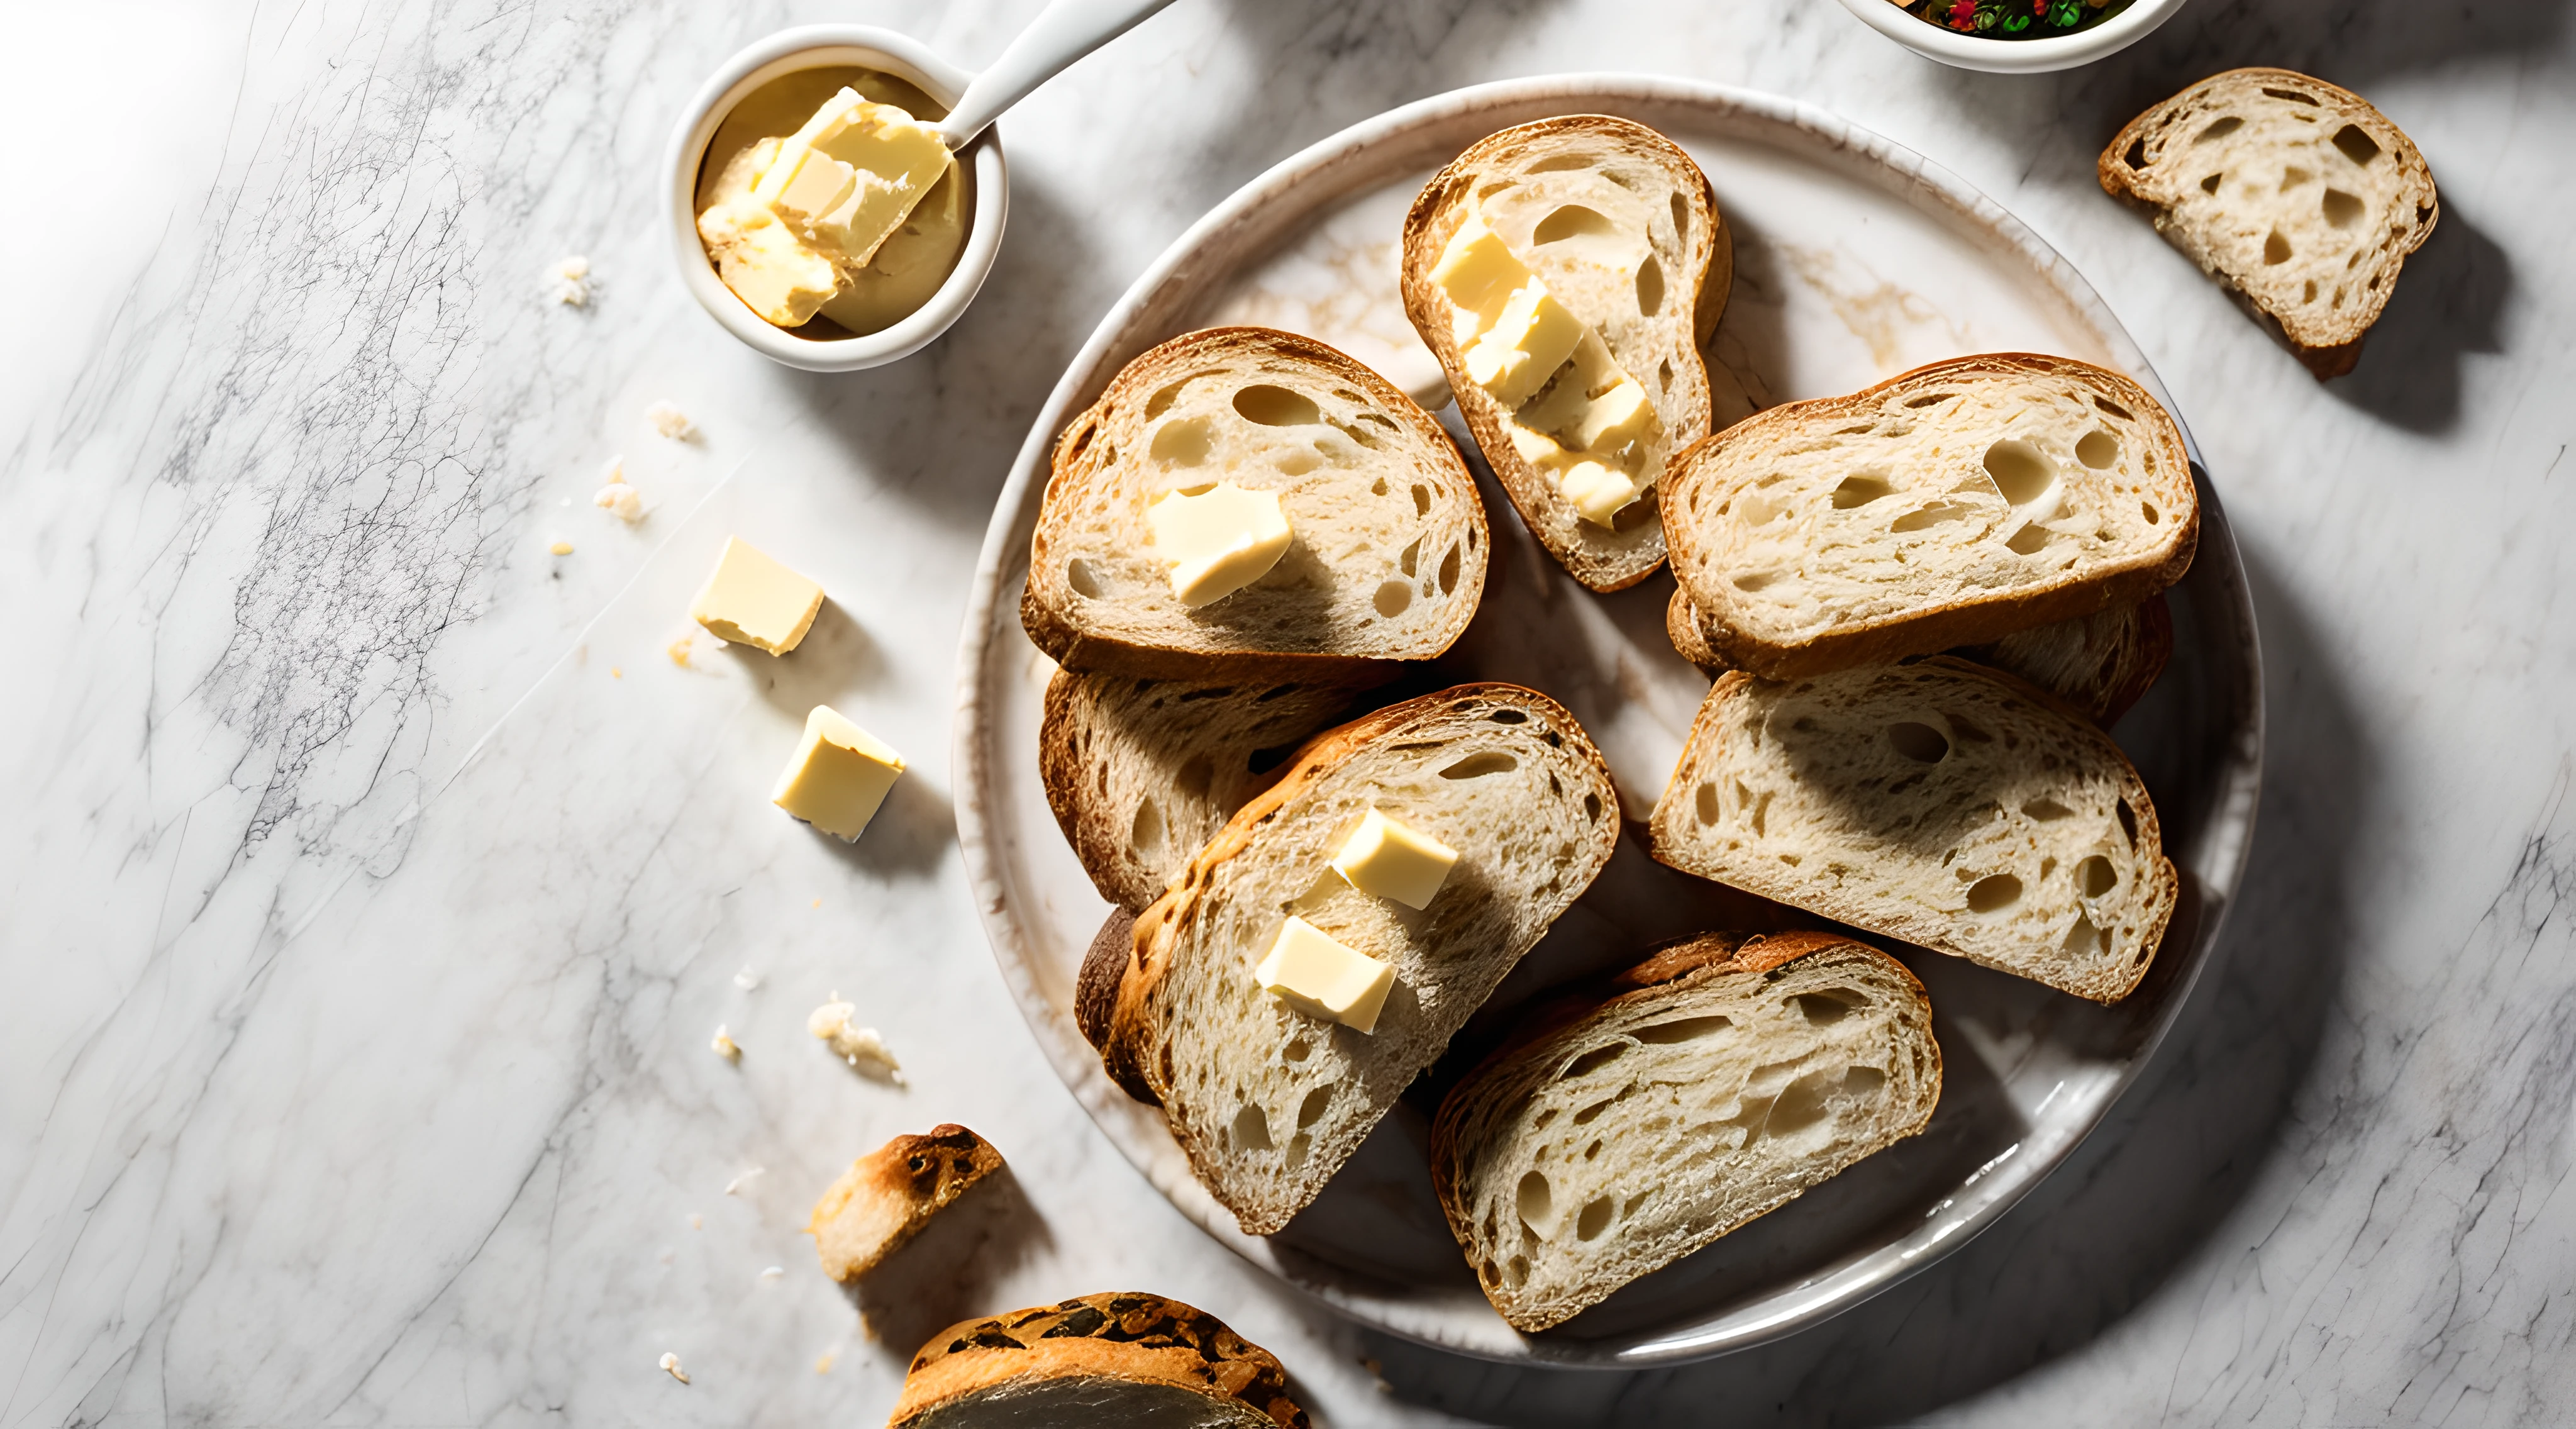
x=1096 y=1362
x=2298 y=197
x=1141 y=772
x=1953 y=505
x=1388 y=538
x=1622 y=228
x=1712 y=1083
x=2100 y=663
x=1938 y=802
x=1267 y=1100
x=888 y=1195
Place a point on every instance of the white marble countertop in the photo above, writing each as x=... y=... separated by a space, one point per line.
x=339 y=1087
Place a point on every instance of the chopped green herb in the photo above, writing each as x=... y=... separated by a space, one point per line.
x=2014 y=19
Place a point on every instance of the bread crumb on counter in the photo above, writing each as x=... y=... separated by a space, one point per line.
x=724 y=1046
x=671 y=1367
x=861 y=1047
x=617 y=495
x=747 y=979
x=559 y=547
x=568 y=281
x=670 y=421
x=734 y=1186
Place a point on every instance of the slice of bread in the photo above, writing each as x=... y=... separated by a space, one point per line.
x=1096 y=1362
x=888 y=1195
x=2101 y=663
x=1387 y=548
x=1712 y=1083
x=1954 y=505
x=1622 y=228
x=2298 y=197
x=1268 y=1100
x=1938 y=802
x=1142 y=772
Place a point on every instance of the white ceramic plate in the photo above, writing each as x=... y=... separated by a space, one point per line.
x=1855 y=260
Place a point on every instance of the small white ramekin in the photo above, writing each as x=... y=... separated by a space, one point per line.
x=2014 y=56
x=811 y=47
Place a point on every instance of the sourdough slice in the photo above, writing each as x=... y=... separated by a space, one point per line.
x=1142 y=772
x=1937 y=802
x=1953 y=505
x=1622 y=228
x=2101 y=664
x=888 y=1195
x=1714 y=1082
x=1387 y=553
x=1267 y=1100
x=2298 y=197
x=1096 y=1362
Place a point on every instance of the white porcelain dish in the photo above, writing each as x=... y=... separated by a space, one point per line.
x=1855 y=259
x=2015 y=56
x=814 y=47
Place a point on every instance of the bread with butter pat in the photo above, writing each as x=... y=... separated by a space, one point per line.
x=1580 y=401
x=1267 y=1099
x=1384 y=554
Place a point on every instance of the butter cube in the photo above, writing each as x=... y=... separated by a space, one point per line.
x=1478 y=275
x=1616 y=418
x=1309 y=971
x=852 y=174
x=772 y=270
x=753 y=600
x=1219 y=540
x=1599 y=493
x=839 y=776
x=1384 y=859
x=1525 y=346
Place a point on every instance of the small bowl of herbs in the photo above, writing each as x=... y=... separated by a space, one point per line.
x=2014 y=36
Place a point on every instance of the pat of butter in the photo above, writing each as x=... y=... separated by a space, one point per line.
x=753 y=600
x=766 y=264
x=1384 y=859
x=1599 y=493
x=851 y=175
x=1219 y=540
x=839 y=776
x=1309 y=971
x=1478 y=275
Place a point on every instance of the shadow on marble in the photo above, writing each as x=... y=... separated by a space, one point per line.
x=2449 y=303
x=949 y=1271
x=914 y=830
x=836 y=656
x=2127 y=1209
x=938 y=431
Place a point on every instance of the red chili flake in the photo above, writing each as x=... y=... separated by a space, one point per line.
x=1963 y=15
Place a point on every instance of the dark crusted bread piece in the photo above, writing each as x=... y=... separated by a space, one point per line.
x=1268 y=1100
x=2100 y=663
x=1387 y=553
x=1115 y=1361
x=889 y=1194
x=1953 y=505
x=2298 y=197
x=1622 y=1129
x=1938 y=802
x=1623 y=229
x=1142 y=771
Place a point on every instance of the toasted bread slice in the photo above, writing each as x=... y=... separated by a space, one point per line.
x=1269 y=1100
x=1621 y=227
x=1714 y=1082
x=1386 y=558
x=2298 y=197
x=1954 y=505
x=1096 y=1362
x=1141 y=772
x=2101 y=663
x=888 y=1195
x=1938 y=802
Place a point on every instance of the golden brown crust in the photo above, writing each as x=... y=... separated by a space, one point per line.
x=1043 y=605
x=2127 y=157
x=1436 y=214
x=1104 y=965
x=889 y=1194
x=1888 y=639
x=1147 y=1339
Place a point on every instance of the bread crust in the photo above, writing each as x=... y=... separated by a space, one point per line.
x=1711 y=469
x=1601 y=562
x=1126 y=1335
x=1135 y=1051
x=2328 y=348
x=1050 y=607
x=888 y=1195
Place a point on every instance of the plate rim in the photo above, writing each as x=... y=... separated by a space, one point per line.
x=2236 y=790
